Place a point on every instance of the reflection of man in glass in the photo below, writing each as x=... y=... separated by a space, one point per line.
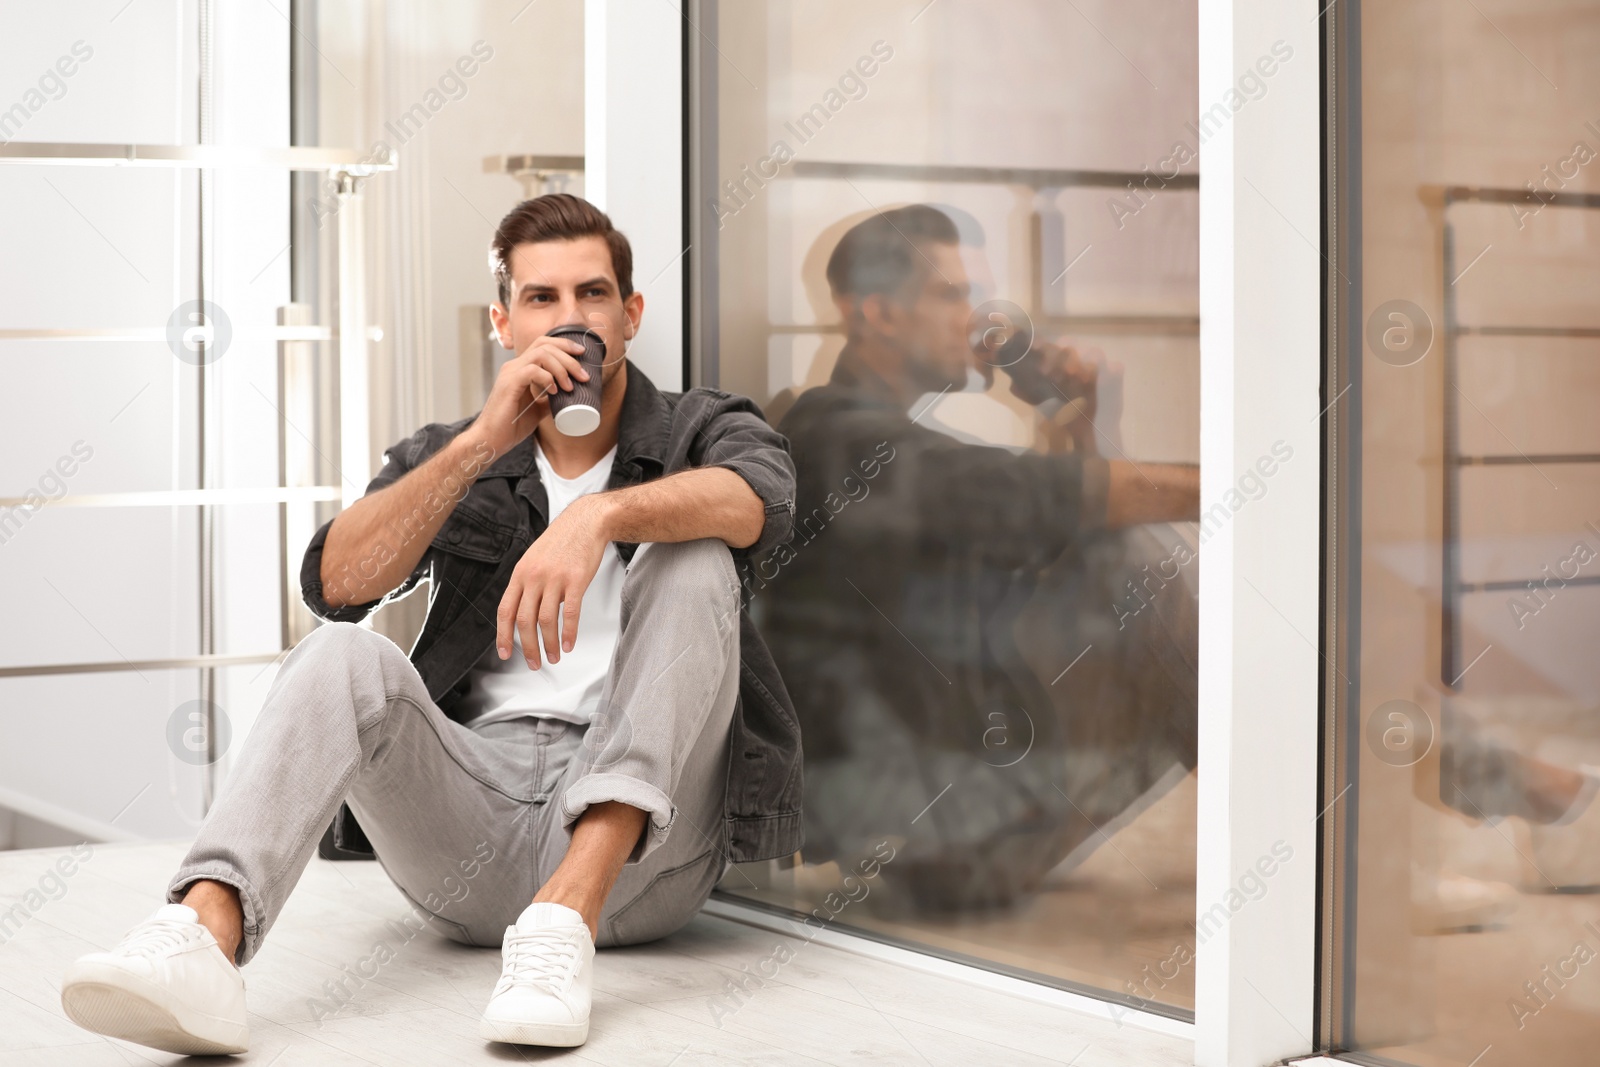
x=893 y=611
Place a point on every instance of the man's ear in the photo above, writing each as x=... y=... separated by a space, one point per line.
x=632 y=312
x=880 y=314
x=502 y=324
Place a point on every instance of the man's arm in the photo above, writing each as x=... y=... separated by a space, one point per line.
x=1018 y=508
x=562 y=561
x=686 y=506
x=1151 y=492
x=377 y=541
x=738 y=486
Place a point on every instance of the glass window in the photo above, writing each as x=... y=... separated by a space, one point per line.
x=953 y=256
x=1464 y=925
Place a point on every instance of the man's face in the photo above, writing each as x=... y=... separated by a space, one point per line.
x=928 y=324
x=562 y=283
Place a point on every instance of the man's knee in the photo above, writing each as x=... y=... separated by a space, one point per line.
x=340 y=639
x=341 y=649
x=700 y=566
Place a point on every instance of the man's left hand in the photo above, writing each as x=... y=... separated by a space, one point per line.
x=549 y=581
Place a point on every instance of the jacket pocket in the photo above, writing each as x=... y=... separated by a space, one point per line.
x=468 y=551
x=474 y=535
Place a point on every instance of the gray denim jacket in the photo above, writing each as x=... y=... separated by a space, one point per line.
x=469 y=564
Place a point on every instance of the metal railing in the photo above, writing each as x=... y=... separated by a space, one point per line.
x=1453 y=585
x=1038 y=180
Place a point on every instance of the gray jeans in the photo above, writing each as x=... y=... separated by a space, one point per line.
x=469 y=824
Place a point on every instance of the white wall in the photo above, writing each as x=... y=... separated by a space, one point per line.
x=634 y=142
x=429 y=222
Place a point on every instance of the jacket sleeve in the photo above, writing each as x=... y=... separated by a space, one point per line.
x=399 y=459
x=1023 y=507
x=922 y=487
x=730 y=431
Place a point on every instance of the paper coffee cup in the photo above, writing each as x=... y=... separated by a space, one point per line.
x=578 y=412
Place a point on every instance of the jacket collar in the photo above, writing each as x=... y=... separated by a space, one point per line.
x=642 y=431
x=853 y=372
x=646 y=423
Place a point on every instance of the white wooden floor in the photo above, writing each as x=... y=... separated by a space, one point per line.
x=658 y=1004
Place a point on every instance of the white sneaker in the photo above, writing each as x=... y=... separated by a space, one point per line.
x=1454 y=904
x=547 y=980
x=1565 y=854
x=167 y=985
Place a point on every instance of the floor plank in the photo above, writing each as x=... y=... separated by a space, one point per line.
x=709 y=994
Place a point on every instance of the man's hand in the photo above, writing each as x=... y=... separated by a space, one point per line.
x=520 y=398
x=1092 y=387
x=1075 y=374
x=555 y=571
x=561 y=563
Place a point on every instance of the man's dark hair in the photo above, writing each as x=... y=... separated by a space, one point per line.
x=557 y=217
x=883 y=254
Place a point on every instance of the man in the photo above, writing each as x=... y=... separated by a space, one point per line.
x=581 y=729
x=893 y=611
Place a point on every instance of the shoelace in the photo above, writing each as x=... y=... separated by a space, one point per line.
x=154 y=937
x=543 y=957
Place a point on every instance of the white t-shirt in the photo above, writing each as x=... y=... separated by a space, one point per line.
x=570 y=688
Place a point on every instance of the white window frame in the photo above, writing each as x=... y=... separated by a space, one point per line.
x=1261 y=336
x=633 y=162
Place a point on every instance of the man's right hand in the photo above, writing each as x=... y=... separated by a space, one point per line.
x=1091 y=385
x=520 y=398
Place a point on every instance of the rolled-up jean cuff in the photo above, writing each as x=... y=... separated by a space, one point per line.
x=248 y=901
x=599 y=788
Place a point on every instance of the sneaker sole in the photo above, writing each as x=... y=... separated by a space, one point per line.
x=552 y=1035
x=117 y=1004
